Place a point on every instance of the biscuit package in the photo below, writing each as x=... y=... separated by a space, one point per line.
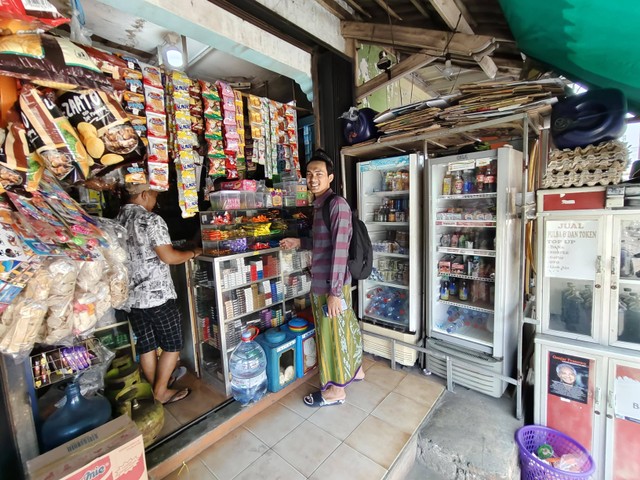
x=104 y=128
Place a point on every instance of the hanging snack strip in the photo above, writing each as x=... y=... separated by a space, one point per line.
x=158 y=157
x=258 y=134
x=291 y=118
x=213 y=129
x=240 y=159
x=196 y=110
x=270 y=157
x=277 y=136
x=185 y=143
x=229 y=129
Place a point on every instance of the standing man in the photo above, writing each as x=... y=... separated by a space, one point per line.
x=154 y=316
x=337 y=331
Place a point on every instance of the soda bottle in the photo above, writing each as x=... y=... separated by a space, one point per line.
x=480 y=179
x=248 y=369
x=453 y=288
x=467 y=177
x=490 y=178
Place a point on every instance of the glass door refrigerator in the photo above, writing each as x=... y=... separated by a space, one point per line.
x=390 y=300
x=587 y=346
x=473 y=265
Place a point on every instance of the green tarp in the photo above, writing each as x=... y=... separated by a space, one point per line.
x=593 y=42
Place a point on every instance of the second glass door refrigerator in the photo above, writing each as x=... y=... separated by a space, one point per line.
x=473 y=265
x=390 y=300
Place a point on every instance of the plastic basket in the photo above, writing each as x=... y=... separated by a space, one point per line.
x=530 y=437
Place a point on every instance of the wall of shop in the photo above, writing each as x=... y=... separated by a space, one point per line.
x=212 y=25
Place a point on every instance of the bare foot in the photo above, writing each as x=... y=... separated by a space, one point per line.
x=359 y=374
x=332 y=394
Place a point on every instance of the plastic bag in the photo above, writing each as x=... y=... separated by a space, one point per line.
x=16 y=17
x=23 y=319
x=59 y=318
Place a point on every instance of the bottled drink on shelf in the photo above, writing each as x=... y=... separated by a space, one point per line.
x=489 y=185
x=446 y=184
x=458 y=183
x=453 y=288
x=391 y=216
x=248 y=368
x=463 y=292
x=444 y=290
x=480 y=179
x=468 y=179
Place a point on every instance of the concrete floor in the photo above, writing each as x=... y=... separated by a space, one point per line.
x=467 y=436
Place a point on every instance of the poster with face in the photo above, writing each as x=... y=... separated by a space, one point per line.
x=568 y=377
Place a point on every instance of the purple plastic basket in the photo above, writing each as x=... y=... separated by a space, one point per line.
x=530 y=437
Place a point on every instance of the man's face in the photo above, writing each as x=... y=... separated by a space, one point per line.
x=318 y=181
x=567 y=376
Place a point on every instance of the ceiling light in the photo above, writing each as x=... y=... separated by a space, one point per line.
x=447 y=71
x=384 y=62
x=171 y=52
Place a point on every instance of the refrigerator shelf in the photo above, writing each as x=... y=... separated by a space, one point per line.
x=476 y=335
x=389 y=193
x=400 y=323
x=468 y=196
x=466 y=223
x=467 y=251
x=478 y=307
x=388 y=284
x=390 y=224
x=393 y=255
x=466 y=277
x=629 y=281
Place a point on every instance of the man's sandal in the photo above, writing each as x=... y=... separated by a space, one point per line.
x=316 y=399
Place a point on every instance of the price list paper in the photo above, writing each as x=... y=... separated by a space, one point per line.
x=571 y=249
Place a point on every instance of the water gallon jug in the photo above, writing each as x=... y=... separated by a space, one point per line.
x=77 y=416
x=248 y=369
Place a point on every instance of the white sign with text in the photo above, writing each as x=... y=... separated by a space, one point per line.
x=571 y=248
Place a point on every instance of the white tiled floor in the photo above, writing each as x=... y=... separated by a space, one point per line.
x=357 y=440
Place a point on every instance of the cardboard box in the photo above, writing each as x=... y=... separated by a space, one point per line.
x=113 y=451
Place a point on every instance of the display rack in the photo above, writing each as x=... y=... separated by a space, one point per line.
x=234 y=292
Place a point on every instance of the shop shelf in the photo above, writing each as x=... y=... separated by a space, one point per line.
x=391 y=224
x=388 y=284
x=391 y=255
x=469 y=333
x=467 y=223
x=389 y=194
x=478 y=307
x=466 y=277
x=235 y=287
x=467 y=251
x=468 y=196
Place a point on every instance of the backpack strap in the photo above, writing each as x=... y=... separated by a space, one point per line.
x=326 y=210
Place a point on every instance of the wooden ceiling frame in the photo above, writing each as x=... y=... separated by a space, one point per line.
x=336 y=9
x=396 y=72
x=457 y=22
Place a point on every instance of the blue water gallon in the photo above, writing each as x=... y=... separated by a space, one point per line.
x=280 y=347
x=360 y=126
x=588 y=118
x=77 y=416
x=248 y=369
x=306 y=349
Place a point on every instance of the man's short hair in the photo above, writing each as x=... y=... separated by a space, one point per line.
x=134 y=189
x=319 y=155
x=563 y=366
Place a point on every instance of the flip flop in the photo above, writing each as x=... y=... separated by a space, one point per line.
x=316 y=399
x=179 y=395
x=176 y=375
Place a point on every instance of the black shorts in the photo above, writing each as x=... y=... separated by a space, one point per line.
x=157 y=327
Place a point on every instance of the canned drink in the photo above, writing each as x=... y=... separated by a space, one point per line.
x=445 y=240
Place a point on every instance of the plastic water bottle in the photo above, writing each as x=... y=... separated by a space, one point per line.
x=248 y=368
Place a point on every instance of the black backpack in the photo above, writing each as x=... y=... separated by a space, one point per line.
x=360 y=261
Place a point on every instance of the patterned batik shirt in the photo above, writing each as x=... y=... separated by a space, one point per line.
x=150 y=283
x=329 y=270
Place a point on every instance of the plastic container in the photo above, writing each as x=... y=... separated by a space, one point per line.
x=77 y=416
x=306 y=349
x=247 y=366
x=530 y=437
x=280 y=348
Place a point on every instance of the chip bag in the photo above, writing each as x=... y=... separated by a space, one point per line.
x=52 y=137
x=105 y=129
x=18 y=16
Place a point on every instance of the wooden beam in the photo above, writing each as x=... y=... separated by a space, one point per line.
x=395 y=73
x=336 y=9
x=388 y=9
x=356 y=6
x=456 y=21
x=452 y=16
x=487 y=65
x=428 y=41
x=420 y=8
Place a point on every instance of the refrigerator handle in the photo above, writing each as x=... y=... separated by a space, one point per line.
x=614 y=275
x=610 y=403
x=596 y=401
x=598 y=270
